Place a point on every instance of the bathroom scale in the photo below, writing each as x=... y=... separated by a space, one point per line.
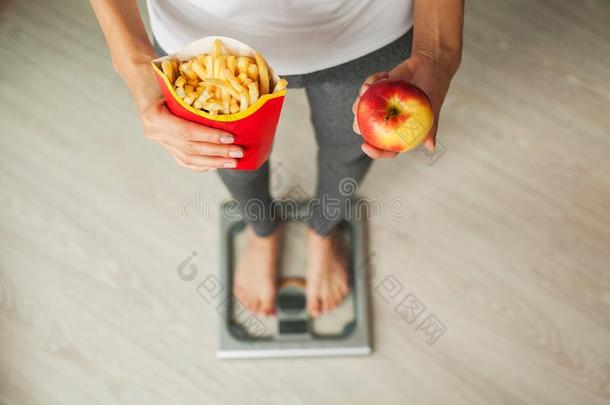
x=291 y=332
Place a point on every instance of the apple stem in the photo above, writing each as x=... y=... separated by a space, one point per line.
x=392 y=112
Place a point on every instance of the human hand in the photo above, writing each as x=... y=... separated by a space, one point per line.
x=433 y=77
x=191 y=145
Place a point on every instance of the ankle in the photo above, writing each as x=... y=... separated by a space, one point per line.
x=315 y=237
x=270 y=237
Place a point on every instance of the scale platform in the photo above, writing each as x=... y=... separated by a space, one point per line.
x=345 y=331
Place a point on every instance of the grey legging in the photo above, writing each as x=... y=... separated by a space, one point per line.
x=341 y=163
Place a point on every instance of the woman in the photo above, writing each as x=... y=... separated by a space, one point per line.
x=326 y=46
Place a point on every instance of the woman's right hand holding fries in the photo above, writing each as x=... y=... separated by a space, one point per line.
x=192 y=145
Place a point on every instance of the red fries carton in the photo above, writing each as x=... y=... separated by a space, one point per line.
x=253 y=129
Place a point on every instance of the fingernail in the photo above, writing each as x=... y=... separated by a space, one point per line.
x=229 y=165
x=227 y=139
x=363 y=89
x=384 y=74
x=236 y=153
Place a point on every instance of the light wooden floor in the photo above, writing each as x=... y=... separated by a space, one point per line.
x=507 y=242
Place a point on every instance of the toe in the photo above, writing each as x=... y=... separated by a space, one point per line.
x=338 y=295
x=239 y=297
x=267 y=306
x=247 y=301
x=343 y=288
x=332 y=301
x=256 y=306
x=238 y=293
x=326 y=303
x=243 y=298
x=313 y=305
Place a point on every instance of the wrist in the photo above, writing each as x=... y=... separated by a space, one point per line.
x=131 y=68
x=444 y=60
x=140 y=79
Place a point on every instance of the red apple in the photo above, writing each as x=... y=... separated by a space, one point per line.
x=394 y=115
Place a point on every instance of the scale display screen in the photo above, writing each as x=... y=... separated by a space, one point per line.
x=292 y=327
x=294 y=302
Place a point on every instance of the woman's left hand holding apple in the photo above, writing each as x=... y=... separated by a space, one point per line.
x=435 y=56
x=432 y=76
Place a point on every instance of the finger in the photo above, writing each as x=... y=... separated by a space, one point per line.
x=368 y=81
x=372 y=79
x=207 y=162
x=376 y=76
x=430 y=140
x=209 y=149
x=192 y=141
x=175 y=154
x=376 y=153
x=161 y=125
x=196 y=168
x=430 y=143
x=354 y=111
x=203 y=148
x=190 y=131
x=201 y=133
x=403 y=71
x=210 y=161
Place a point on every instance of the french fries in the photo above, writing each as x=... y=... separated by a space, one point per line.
x=263 y=73
x=221 y=83
x=168 y=70
x=281 y=85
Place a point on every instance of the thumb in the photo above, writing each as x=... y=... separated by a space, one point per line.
x=370 y=80
x=404 y=71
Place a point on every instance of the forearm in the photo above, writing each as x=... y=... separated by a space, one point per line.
x=437 y=32
x=129 y=46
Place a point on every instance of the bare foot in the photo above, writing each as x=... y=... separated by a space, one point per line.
x=254 y=281
x=326 y=273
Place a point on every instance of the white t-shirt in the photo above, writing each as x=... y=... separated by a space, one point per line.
x=295 y=36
